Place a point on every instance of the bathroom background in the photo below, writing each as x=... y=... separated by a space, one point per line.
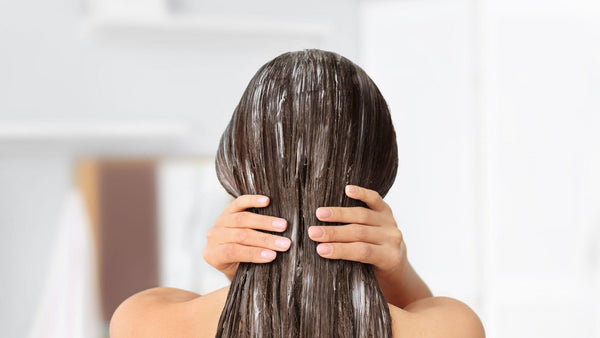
x=111 y=111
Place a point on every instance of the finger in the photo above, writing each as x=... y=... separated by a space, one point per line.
x=232 y=253
x=358 y=215
x=347 y=233
x=356 y=251
x=247 y=201
x=251 y=220
x=370 y=197
x=252 y=238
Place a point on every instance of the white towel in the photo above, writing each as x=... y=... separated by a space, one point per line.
x=70 y=306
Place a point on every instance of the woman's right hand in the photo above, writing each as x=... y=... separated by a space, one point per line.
x=234 y=239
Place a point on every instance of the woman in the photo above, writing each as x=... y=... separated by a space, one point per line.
x=310 y=131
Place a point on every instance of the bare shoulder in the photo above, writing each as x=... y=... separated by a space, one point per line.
x=436 y=317
x=167 y=312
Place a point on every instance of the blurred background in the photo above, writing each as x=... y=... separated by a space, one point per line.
x=111 y=112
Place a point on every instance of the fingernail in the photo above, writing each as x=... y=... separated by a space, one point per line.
x=315 y=232
x=279 y=224
x=268 y=254
x=324 y=249
x=283 y=243
x=263 y=199
x=350 y=189
x=323 y=213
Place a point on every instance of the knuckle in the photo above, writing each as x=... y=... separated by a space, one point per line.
x=361 y=232
x=362 y=215
x=265 y=240
x=210 y=234
x=241 y=235
x=239 y=217
x=397 y=237
x=345 y=213
x=364 y=252
x=400 y=235
x=228 y=252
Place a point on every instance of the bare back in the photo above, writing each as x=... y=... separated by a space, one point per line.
x=169 y=312
x=161 y=312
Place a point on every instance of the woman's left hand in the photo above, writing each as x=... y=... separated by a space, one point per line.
x=371 y=236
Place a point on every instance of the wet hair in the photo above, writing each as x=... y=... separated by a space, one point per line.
x=309 y=123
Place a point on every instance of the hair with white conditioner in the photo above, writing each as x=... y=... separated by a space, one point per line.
x=309 y=123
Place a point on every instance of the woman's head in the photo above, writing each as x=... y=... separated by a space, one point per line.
x=308 y=124
x=312 y=117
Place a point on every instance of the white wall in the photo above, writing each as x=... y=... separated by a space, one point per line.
x=539 y=71
x=59 y=67
x=497 y=113
x=58 y=64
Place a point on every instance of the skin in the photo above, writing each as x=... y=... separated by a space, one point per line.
x=372 y=236
x=168 y=312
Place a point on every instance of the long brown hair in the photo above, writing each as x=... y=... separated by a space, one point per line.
x=309 y=123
